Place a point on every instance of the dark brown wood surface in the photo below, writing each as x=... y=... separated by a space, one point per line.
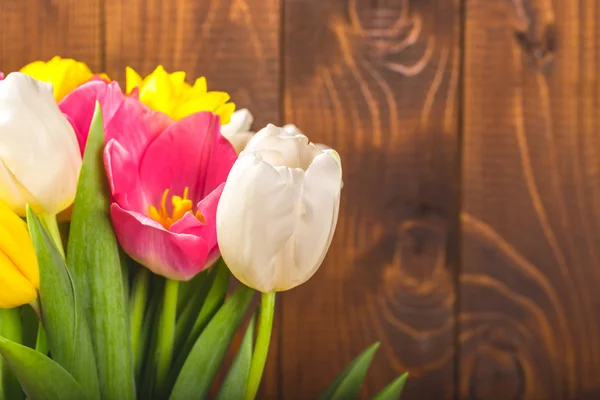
x=33 y=30
x=378 y=81
x=234 y=43
x=469 y=236
x=529 y=298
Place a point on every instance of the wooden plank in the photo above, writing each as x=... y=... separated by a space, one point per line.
x=529 y=325
x=40 y=29
x=234 y=43
x=378 y=82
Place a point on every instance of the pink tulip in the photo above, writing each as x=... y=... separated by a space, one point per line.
x=1 y=75
x=166 y=178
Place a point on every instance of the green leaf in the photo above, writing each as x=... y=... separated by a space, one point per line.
x=191 y=301
x=348 y=382
x=30 y=322
x=66 y=327
x=94 y=260
x=211 y=304
x=41 y=378
x=206 y=356
x=10 y=328
x=393 y=390
x=189 y=296
x=234 y=385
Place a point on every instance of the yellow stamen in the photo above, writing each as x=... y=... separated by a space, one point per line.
x=181 y=206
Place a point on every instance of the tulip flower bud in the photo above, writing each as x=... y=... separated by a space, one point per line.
x=278 y=211
x=39 y=154
x=237 y=131
x=19 y=275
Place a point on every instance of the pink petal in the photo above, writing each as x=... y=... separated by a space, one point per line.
x=125 y=119
x=190 y=153
x=1 y=75
x=172 y=255
x=123 y=177
x=208 y=207
x=135 y=93
x=135 y=126
x=79 y=106
x=190 y=224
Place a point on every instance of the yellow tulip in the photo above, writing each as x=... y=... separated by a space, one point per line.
x=171 y=94
x=19 y=275
x=65 y=74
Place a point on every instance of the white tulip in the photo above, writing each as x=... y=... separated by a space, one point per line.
x=278 y=211
x=237 y=131
x=293 y=129
x=39 y=154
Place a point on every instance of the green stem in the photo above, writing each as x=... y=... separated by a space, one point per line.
x=11 y=328
x=41 y=343
x=49 y=222
x=166 y=333
x=139 y=297
x=263 y=339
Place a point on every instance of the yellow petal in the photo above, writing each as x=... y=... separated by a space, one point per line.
x=72 y=75
x=209 y=102
x=225 y=111
x=19 y=275
x=157 y=91
x=65 y=74
x=16 y=245
x=178 y=78
x=199 y=88
x=15 y=289
x=180 y=87
x=36 y=70
x=132 y=79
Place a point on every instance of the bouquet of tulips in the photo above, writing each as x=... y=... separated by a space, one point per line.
x=125 y=216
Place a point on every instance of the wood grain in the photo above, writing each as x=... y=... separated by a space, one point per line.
x=529 y=309
x=234 y=43
x=377 y=81
x=40 y=29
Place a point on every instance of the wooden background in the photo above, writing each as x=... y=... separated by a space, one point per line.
x=469 y=236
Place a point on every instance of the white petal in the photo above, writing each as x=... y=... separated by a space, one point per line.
x=240 y=140
x=37 y=143
x=14 y=194
x=317 y=220
x=293 y=129
x=255 y=218
x=279 y=210
x=295 y=149
x=241 y=121
x=237 y=131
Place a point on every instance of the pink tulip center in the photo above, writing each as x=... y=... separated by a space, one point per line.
x=180 y=206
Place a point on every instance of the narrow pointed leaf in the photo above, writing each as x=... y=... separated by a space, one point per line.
x=30 y=323
x=189 y=291
x=94 y=260
x=191 y=300
x=66 y=327
x=214 y=300
x=10 y=328
x=206 y=356
x=393 y=390
x=234 y=385
x=348 y=382
x=41 y=378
